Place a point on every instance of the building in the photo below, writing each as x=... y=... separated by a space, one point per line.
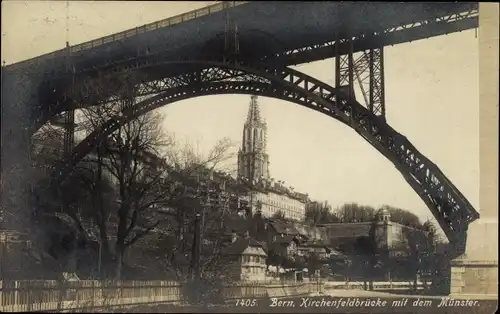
x=220 y=189
x=390 y=240
x=285 y=245
x=388 y=234
x=247 y=259
x=265 y=194
x=320 y=249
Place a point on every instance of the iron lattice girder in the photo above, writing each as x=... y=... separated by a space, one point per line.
x=377 y=85
x=449 y=206
x=390 y=36
x=369 y=71
x=69 y=128
x=459 y=21
x=344 y=66
x=108 y=88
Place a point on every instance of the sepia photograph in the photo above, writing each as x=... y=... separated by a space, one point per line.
x=249 y=157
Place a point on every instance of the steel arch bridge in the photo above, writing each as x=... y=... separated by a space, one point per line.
x=449 y=206
x=36 y=90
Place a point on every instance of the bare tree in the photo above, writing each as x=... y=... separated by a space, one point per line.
x=319 y=213
x=187 y=160
x=138 y=180
x=353 y=212
x=144 y=166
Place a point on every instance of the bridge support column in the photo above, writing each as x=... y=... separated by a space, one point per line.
x=19 y=100
x=69 y=116
x=476 y=272
x=368 y=70
x=69 y=132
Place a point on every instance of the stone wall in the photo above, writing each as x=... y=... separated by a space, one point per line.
x=313 y=232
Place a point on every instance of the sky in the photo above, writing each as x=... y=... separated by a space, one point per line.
x=431 y=98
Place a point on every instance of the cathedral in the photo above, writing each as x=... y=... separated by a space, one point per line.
x=265 y=194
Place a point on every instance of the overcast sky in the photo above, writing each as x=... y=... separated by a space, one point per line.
x=431 y=98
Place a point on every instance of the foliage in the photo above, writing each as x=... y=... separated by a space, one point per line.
x=257 y=227
x=313 y=263
x=319 y=213
x=403 y=216
x=421 y=249
x=353 y=212
x=274 y=259
x=55 y=234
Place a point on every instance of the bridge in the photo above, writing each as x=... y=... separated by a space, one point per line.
x=245 y=47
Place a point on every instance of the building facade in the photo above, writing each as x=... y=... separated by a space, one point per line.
x=247 y=259
x=271 y=199
x=265 y=194
x=388 y=234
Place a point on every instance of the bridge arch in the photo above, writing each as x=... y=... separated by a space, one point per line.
x=450 y=208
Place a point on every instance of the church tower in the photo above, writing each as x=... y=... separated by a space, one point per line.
x=253 y=161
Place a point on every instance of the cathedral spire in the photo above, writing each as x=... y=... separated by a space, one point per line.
x=253 y=116
x=253 y=161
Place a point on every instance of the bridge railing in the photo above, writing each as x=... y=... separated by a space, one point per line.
x=177 y=19
x=51 y=295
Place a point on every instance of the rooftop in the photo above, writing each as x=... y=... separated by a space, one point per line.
x=240 y=245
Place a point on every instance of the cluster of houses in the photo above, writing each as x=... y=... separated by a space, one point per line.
x=282 y=252
x=284 y=249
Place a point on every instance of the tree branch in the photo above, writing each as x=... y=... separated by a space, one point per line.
x=141 y=234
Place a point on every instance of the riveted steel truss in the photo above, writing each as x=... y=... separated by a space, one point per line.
x=368 y=69
x=369 y=72
x=344 y=68
x=69 y=115
x=69 y=131
x=449 y=206
x=385 y=36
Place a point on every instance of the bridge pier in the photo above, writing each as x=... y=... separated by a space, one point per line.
x=18 y=101
x=476 y=272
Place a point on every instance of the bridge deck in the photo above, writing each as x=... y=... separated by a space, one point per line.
x=279 y=26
